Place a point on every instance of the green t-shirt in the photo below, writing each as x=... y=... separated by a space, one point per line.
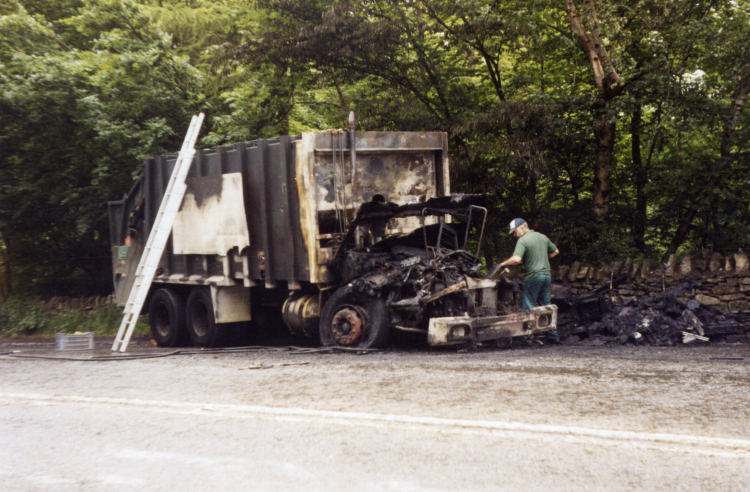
x=534 y=247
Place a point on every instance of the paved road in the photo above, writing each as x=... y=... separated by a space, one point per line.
x=547 y=418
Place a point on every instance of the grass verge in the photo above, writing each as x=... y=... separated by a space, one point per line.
x=24 y=316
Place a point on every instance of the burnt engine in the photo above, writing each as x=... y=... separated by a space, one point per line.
x=428 y=272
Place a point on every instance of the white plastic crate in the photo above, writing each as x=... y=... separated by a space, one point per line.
x=75 y=341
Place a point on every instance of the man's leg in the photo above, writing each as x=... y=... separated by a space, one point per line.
x=545 y=285
x=529 y=294
x=544 y=298
x=528 y=301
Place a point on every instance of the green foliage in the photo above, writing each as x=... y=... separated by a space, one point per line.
x=101 y=320
x=24 y=316
x=79 y=107
x=87 y=89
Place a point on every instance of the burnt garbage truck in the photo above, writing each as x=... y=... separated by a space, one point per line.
x=347 y=235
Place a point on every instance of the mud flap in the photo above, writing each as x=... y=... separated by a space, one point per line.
x=459 y=330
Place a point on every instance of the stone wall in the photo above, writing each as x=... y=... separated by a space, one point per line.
x=712 y=279
x=59 y=304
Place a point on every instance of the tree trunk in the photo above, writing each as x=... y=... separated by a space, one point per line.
x=609 y=84
x=5 y=284
x=604 y=134
x=531 y=190
x=639 y=181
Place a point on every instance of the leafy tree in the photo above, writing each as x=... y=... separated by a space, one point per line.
x=83 y=99
x=720 y=84
x=618 y=128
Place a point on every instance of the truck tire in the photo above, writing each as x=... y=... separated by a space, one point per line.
x=166 y=315
x=354 y=319
x=201 y=324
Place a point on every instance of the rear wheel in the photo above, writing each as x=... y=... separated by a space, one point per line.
x=353 y=319
x=201 y=325
x=166 y=315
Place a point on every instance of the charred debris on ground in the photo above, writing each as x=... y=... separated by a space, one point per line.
x=661 y=319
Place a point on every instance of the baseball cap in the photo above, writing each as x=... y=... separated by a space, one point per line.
x=515 y=224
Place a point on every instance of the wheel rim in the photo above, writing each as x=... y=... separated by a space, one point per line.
x=162 y=323
x=348 y=325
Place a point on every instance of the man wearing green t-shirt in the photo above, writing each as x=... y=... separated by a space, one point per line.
x=534 y=250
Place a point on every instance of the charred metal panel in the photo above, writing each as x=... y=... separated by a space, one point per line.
x=117 y=216
x=256 y=202
x=157 y=173
x=248 y=193
x=396 y=166
x=308 y=210
x=125 y=263
x=286 y=188
x=211 y=219
x=443 y=169
x=277 y=251
x=231 y=304
x=403 y=167
x=231 y=158
x=456 y=330
x=280 y=257
x=298 y=269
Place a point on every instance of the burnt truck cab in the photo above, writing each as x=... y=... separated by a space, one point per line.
x=347 y=235
x=427 y=281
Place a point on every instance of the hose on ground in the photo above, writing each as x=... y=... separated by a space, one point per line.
x=291 y=349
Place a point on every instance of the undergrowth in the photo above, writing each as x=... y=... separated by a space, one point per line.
x=21 y=317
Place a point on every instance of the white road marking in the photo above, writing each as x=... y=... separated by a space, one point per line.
x=225 y=463
x=183 y=458
x=120 y=480
x=714 y=446
x=48 y=480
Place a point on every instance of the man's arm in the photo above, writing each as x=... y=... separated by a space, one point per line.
x=513 y=260
x=553 y=254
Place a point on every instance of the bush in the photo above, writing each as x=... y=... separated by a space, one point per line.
x=101 y=320
x=22 y=316
x=27 y=316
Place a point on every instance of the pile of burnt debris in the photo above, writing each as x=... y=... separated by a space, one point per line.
x=664 y=319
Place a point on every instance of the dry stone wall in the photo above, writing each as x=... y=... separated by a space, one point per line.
x=722 y=282
x=59 y=304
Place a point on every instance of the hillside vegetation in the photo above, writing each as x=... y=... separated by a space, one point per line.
x=618 y=128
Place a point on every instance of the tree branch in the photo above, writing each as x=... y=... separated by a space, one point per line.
x=588 y=45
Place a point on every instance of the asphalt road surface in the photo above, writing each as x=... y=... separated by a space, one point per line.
x=536 y=418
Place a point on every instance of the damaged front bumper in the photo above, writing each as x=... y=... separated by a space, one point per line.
x=458 y=330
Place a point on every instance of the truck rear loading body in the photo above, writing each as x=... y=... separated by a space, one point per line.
x=347 y=241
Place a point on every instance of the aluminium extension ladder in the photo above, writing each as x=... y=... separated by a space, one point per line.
x=157 y=238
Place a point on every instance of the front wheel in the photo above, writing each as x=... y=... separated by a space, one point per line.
x=353 y=319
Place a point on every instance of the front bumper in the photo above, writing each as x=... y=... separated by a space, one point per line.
x=458 y=330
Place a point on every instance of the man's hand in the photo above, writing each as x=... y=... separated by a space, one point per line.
x=497 y=269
